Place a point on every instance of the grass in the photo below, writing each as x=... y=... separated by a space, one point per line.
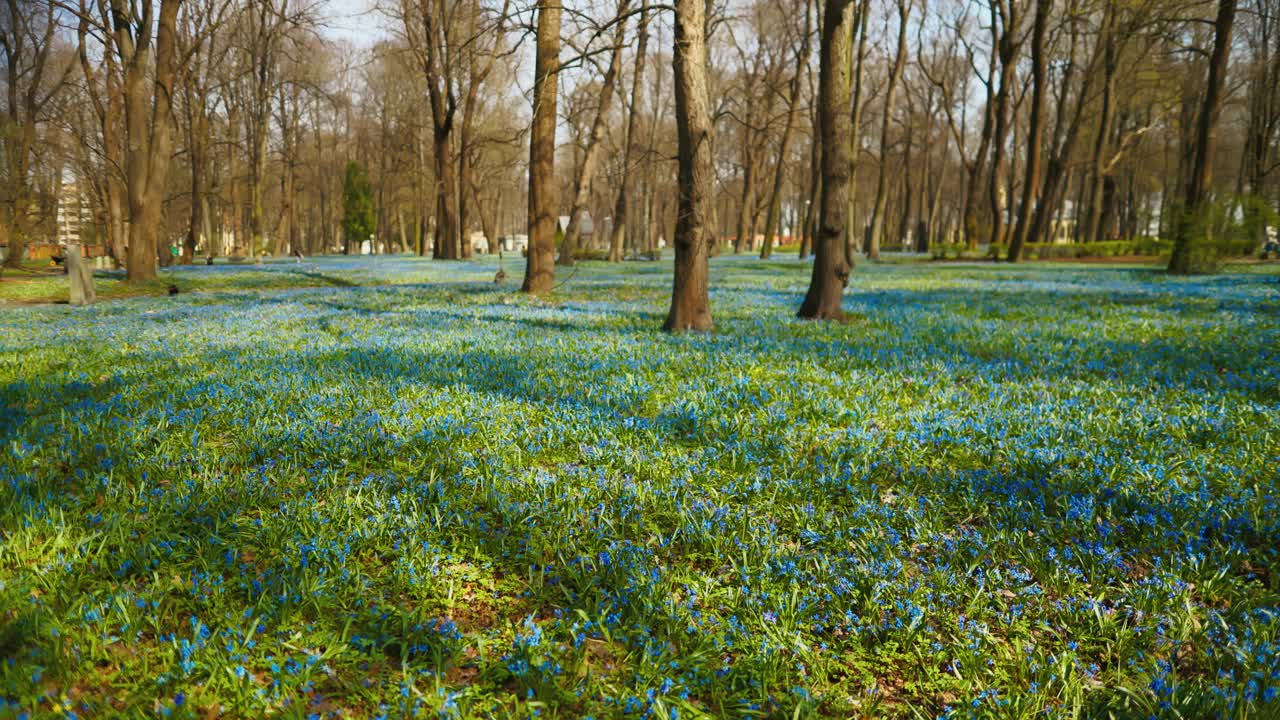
x=1040 y=491
x=273 y=274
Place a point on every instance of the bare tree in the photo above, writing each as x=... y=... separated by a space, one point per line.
x=831 y=264
x=539 y=276
x=1260 y=162
x=794 y=87
x=690 y=298
x=890 y=97
x=586 y=173
x=457 y=45
x=31 y=80
x=621 y=207
x=1035 y=141
x=203 y=51
x=1193 y=225
x=753 y=97
x=1006 y=39
x=144 y=44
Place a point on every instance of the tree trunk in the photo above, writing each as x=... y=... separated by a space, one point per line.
x=690 y=298
x=1093 y=207
x=969 y=208
x=746 y=208
x=831 y=265
x=465 y=249
x=1035 y=151
x=890 y=96
x=779 y=170
x=148 y=130
x=862 y=13
x=197 y=205
x=621 y=208
x=586 y=173
x=17 y=244
x=810 y=218
x=539 y=276
x=1194 y=220
x=1005 y=29
x=445 y=246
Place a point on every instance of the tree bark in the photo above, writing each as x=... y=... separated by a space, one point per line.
x=690 y=296
x=1005 y=22
x=746 y=207
x=831 y=265
x=539 y=276
x=147 y=111
x=586 y=173
x=1194 y=220
x=779 y=170
x=853 y=229
x=890 y=98
x=621 y=208
x=1035 y=151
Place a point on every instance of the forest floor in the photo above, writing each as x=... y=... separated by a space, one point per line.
x=387 y=487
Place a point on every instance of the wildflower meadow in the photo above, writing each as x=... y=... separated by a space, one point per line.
x=387 y=488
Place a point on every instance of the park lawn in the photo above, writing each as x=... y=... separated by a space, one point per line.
x=42 y=287
x=1007 y=492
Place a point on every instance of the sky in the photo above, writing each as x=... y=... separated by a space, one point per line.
x=353 y=20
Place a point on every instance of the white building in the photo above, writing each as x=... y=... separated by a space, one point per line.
x=73 y=213
x=514 y=243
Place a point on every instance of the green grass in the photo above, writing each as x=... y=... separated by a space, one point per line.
x=389 y=487
x=273 y=274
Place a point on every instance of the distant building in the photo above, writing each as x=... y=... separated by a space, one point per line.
x=1063 y=231
x=514 y=243
x=73 y=214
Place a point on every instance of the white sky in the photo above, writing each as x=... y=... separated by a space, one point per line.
x=353 y=20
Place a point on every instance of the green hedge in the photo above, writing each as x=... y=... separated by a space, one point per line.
x=590 y=254
x=953 y=251
x=1143 y=247
x=1146 y=247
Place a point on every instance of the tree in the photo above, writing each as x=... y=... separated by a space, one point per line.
x=831 y=265
x=1194 y=224
x=200 y=71
x=1262 y=138
x=357 y=208
x=890 y=96
x=31 y=80
x=858 y=52
x=690 y=299
x=587 y=170
x=753 y=94
x=457 y=47
x=102 y=86
x=1035 y=141
x=1006 y=38
x=621 y=207
x=147 y=88
x=265 y=31
x=539 y=272
x=793 y=106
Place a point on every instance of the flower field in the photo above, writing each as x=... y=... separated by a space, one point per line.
x=1042 y=491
